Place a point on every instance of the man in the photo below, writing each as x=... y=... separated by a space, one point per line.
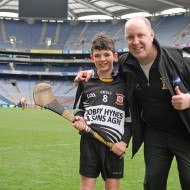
x=158 y=83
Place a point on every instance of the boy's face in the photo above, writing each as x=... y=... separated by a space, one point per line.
x=103 y=60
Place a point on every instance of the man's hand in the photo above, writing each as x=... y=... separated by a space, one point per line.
x=119 y=148
x=84 y=75
x=180 y=101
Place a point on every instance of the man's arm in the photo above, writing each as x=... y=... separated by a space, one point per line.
x=84 y=75
x=181 y=100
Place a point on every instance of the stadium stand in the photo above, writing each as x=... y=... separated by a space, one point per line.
x=65 y=36
x=170 y=28
x=26 y=58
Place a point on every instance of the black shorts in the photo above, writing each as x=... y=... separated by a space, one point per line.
x=96 y=158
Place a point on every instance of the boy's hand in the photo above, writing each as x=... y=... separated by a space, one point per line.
x=119 y=148
x=79 y=123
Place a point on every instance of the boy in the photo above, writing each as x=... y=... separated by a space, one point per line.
x=101 y=101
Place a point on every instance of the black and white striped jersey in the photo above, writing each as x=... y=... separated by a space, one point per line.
x=103 y=104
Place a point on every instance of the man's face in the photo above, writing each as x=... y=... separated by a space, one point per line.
x=139 y=39
x=103 y=60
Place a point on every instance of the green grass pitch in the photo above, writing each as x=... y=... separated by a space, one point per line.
x=39 y=150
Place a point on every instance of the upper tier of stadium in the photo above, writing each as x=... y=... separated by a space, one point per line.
x=67 y=37
x=110 y=9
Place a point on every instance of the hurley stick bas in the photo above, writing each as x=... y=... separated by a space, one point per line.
x=44 y=97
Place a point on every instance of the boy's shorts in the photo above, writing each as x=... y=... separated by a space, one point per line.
x=96 y=158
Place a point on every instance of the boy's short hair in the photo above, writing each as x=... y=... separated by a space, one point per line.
x=102 y=42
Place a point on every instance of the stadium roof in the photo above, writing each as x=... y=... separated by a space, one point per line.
x=109 y=8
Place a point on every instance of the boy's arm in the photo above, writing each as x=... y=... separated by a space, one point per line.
x=127 y=126
x=78 y=108
x=119 y=147
x=127 y=133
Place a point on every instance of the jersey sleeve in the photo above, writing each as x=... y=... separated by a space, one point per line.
x=78 y=108
x=127 y=125
x=127 y=133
